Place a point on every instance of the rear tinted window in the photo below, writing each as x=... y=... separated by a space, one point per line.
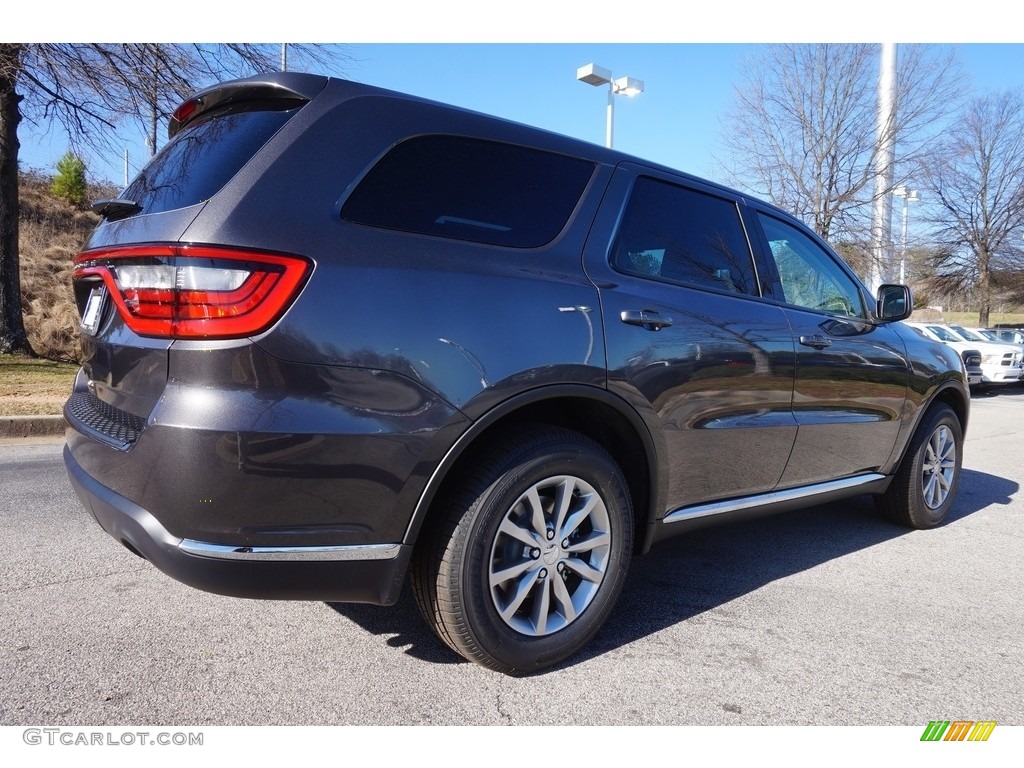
x=203 y=157
x=469 y=189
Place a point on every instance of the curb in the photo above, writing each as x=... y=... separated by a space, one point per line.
x=31 y=426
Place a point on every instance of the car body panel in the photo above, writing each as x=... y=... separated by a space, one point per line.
x=717 y=382
x=846 y=424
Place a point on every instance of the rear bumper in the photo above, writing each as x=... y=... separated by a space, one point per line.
x=357 y=574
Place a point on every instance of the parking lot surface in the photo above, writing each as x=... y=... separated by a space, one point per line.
x=829 y=616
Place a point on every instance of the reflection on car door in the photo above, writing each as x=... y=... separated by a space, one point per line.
x=687 y=341
x=851 y=375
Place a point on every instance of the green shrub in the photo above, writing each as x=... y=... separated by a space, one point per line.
x=69 y=183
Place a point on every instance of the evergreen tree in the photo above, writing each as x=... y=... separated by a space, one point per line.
x=69 y=183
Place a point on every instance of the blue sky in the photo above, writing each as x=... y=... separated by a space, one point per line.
x=677 y=121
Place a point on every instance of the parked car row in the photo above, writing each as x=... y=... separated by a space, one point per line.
x=991 y=356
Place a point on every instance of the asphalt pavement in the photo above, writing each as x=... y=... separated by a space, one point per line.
x=828 y=616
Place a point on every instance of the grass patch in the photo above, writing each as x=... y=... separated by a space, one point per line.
x=34 y=387
x=970 y=319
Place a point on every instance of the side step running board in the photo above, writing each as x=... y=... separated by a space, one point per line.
x=848 y=486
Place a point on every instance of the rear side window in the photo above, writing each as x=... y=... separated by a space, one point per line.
x=203 y=157
x=680 y=235
x=470 y=189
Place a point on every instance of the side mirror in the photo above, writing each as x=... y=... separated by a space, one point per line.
x=894 y=303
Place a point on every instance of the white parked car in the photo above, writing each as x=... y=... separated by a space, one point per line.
x=1013 y=338
x=1000 y=363
x=976 y=334
x=1009 y=335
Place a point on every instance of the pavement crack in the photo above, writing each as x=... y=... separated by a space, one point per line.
x=499 y=705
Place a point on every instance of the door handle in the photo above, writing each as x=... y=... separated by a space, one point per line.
x=645 y=318
x=817 y=341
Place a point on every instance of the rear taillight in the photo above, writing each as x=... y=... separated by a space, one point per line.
x=195 y=291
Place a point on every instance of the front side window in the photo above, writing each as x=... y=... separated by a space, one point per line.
x=809 y=276
x=680 y=235
x=470 y=189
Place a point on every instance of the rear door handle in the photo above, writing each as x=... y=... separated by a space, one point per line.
x=645 y=318
x=817 y=341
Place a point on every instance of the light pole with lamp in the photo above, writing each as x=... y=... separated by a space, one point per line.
x=591 y=74
x=909 y=196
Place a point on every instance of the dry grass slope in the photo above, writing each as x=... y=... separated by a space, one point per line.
x=52 y=232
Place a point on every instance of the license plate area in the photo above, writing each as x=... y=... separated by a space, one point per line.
x=93 y=310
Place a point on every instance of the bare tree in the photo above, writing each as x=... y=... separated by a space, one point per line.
x=977 y=178
x=12 y=328
x=803 y=131
x=87 y=89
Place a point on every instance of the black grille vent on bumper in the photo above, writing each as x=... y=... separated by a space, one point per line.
x=87 y=413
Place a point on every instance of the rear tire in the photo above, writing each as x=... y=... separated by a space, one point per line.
x=530 y=553
x=922 y=492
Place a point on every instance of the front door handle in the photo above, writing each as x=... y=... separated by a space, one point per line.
x=817 y=341
x=645 y=318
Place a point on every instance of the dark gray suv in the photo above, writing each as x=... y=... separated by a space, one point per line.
x=336 y=335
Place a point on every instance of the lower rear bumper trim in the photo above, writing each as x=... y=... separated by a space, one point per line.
x=232 y=552
x=352 y=574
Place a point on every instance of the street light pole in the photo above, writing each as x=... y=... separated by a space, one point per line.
x=881 y=214
x=909 y=196
x=609 y=128
x=591 y=74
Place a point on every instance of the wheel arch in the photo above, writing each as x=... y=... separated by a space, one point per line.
x=594 y=412
x=951 y=393
x=923 y=486
x=955 y=398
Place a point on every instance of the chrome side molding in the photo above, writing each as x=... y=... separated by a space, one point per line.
x=772 y=497
x=304 y=554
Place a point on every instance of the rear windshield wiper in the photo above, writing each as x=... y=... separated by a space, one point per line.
x=114 y=208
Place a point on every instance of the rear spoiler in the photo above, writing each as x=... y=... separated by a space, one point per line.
x=277 y=86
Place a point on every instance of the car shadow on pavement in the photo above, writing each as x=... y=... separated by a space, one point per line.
x=403 y=627
x=699 y=571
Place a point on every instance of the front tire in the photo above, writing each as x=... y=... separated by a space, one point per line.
x=922 y=492
x=531 y=553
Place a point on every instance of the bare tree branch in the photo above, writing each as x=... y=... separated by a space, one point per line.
x=802 y=131
x=977 y=176
x=87 y=90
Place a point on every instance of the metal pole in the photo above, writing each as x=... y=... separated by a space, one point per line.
x=126 y=168
x=881 y=224
x=284 y=57
x=903 y=240
x=611 y=117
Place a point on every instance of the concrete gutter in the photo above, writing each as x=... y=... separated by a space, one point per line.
x=31 y=426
